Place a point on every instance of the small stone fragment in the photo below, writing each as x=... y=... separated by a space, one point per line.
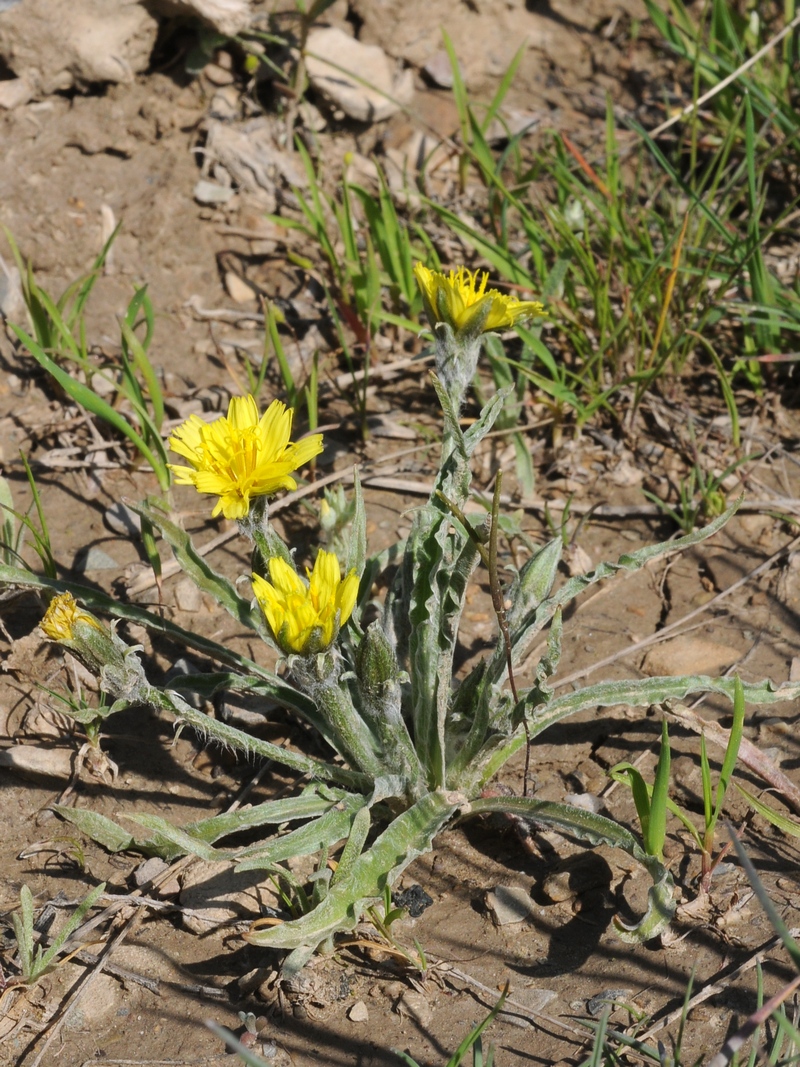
x=14 y=93
x=206 y=192
x=509 y=904
x=217 y=75
x=413 y=1005
x=149 y=870
x=597 y=1004
x=187 y=596
x=92 y=558
x=586 y=801
x=123 y=520
x=365 y=94
x=214 y=893
x=228 y=17
x=440 y=70
x=358 y=1013
x=34 y=761
x=689 y=655
x=238 y=290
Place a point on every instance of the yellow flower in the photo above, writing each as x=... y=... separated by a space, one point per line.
x=466 y=305
x=241 y=456
x=61 y=617
x=306 y=619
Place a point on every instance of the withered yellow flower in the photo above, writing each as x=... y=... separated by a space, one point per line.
x=61 y=616
x=306 y=618
x=241 y=455
x=462 y=300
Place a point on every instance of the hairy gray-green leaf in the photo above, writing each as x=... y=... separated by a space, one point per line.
x=531 y=625
x=193 y=564
x=406 y=837
x=321 y=833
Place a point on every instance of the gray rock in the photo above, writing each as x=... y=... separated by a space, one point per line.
x=370 y=93
x=440 y=70
x=54 y=46
x=211 y=193
x=92 y=558
x=123 y=520
x=216 y=894
x=509 y=904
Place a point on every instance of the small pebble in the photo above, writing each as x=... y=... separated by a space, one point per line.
x=358 y=1013
x=600 y=1001
x=440 y=70
x=149 y=870
x=509 y=904
x=123 y=520
x=210 y=193
x=238 y=289
x=94 y=559
x=217 y=74
x=187 y=596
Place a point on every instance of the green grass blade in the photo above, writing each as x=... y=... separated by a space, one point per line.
x=658 y=802
x=732 y=749
x=86 y=398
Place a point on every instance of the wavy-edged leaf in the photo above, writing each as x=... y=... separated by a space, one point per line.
x=597 y=830
x=431 y=584
x=642 y=692
x=319 y=834
x=99 y=828
x=248 y=745
x=184 y=844
x=527 y=591
x=528 y=627
x=314 y=801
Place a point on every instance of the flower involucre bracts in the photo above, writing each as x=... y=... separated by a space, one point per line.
x=306 y=618
x=462 y=300
x=242 y=455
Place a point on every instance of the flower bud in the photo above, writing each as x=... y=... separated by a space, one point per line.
x=97 y=647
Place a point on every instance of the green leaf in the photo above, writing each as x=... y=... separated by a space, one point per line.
x=72 y=924
x=731 y=750
x=184 y=844
x=315 y=800
x=527 y=591
x=99 y=828
x=407 y=836
x=318 y=834
x=533 y=623
x=89 y=400
x=207 y=580
x=782 y=822
x=642 y=692
x=657 y=829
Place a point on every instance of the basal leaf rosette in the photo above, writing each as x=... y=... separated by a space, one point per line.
x=305 y=617
x=241 y=456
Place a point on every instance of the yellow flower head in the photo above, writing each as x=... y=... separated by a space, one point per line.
x=305 y=619
x=61 y=617
x=462 y=300
x=241 y=455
